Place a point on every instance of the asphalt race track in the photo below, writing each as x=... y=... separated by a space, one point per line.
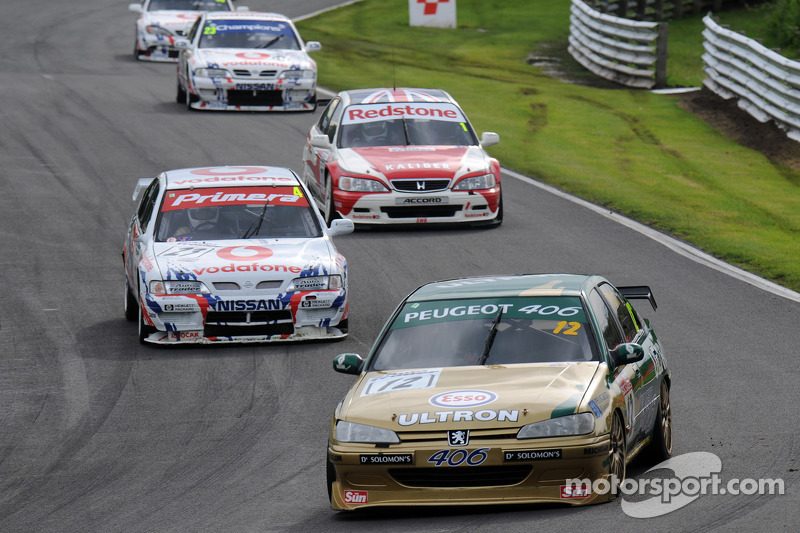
x=98 y=433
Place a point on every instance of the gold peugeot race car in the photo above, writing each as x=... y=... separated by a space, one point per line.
x=497 y=390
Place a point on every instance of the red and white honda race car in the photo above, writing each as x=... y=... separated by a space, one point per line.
x=401 y=156
x=232 y=254
x=163 y=23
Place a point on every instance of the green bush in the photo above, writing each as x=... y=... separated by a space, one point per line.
x=785 y=23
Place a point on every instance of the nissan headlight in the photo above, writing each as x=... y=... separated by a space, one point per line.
x=298 y=75
x=350 y=432
x=178 y=287
x=154 y=29
x=487 y=181
x=212 y=73
x=563 y=426
x=347 y=183
x=316 y=283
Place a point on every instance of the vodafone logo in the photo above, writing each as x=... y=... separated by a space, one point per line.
x=462 y=398
x=253 y=55
x=432 y=6
x=229 y=171
x=244 y=253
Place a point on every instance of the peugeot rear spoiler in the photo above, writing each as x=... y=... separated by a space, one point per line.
x=640 y=292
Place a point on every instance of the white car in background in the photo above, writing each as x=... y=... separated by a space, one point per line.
x=232 y=254
x=247 y=62
x=162 y=23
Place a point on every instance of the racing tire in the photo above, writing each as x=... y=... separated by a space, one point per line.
x=330 y=477
x=131 y=306
x=313 y=101
x=330 y=209
x=344 y=325
x=618 y=452
x=180 y=96
x=189 y=100
x=660 y=447
x=144 y=329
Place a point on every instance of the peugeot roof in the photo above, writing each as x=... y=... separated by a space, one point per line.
x=506 y=286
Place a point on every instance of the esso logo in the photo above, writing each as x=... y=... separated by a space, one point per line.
x=229 y=171
x=252 y=55
x=244 y=253
x=463 y=398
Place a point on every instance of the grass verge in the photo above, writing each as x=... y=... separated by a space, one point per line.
x=633 y=151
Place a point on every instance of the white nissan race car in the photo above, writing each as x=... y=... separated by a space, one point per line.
x=247 y=62
x=232 y=254
x=401 y=156
x=164 y=22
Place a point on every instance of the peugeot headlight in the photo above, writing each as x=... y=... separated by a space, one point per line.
x=487 y=181
x=361 y=185
x=316 y=283
x=350 y=432
x=211 y=73
x=562 y=426
x=178 y=287
x=298 y=74
x=154 y=29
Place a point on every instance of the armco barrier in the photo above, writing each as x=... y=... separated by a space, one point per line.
x=766 y=84
x=629 y=52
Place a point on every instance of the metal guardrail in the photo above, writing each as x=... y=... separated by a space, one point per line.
x=629 y=52
x=657 y=9
x=766 y=84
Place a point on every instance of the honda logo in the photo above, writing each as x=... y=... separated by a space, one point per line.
x=420 y=185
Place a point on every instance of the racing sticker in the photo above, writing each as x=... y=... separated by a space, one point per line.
x=356 y=497
x=212 y=197
x=361 y=114
x=534 y=308
x=386 y=458
x=569 y=492
x=401 y=381
x=462 y=398
x=531 y=455
x=459 y=457
x=484 y=415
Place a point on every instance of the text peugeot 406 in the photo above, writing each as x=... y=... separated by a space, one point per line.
x=501 y=390
x=247 y=62
x=402 y=156
x=232 y=254
x=164 y=23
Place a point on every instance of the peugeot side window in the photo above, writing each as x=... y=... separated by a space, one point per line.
x=628 y=319
x=605 y=320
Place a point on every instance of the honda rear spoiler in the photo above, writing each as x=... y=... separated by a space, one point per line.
x=640 y=292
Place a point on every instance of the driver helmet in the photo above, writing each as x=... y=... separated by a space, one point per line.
x=375 y=130
x=203 y=215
